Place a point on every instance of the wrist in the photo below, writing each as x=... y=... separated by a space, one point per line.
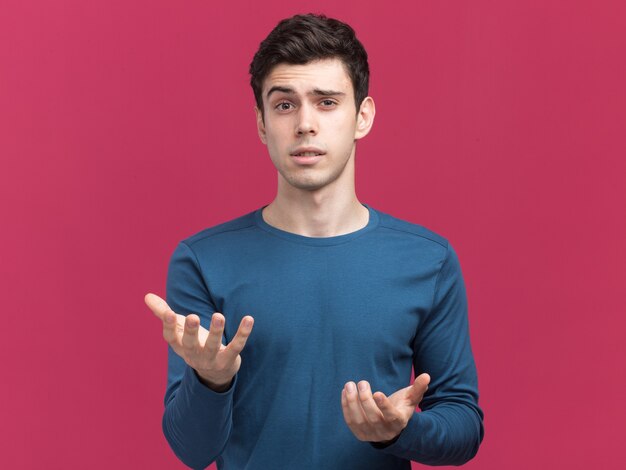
x=219 y=387
x=383 y=444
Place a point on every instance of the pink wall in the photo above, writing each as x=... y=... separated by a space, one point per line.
x=126 y=126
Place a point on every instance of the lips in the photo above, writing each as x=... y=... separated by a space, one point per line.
x=307 y=152
x=307 y=159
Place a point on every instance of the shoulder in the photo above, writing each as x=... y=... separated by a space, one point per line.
x=411 y=230
x=223 y=232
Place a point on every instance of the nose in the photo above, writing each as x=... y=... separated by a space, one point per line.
x=307 y=122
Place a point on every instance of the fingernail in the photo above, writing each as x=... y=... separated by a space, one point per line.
x=362 y=386
x=217 y=322
x=351 y=388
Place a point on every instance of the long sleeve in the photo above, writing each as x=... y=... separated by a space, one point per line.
x=197 y=421
x=449 y=428
x=369 y=305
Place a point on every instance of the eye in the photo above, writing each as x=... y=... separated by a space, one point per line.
x=328 y=103
x=283 y=106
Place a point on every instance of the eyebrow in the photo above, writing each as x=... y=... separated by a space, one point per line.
x=315 y=92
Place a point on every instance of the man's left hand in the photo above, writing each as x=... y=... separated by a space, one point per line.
x=375 y=417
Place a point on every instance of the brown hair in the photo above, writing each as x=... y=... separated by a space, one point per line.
x=305 y=38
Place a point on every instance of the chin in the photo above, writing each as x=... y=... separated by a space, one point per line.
x=306 y=184
x=311 y=179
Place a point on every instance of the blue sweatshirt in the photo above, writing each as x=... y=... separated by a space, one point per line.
x=368 y=305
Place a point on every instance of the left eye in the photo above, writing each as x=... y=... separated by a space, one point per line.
x=328 y=102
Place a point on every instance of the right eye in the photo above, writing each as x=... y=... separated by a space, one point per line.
x=283 y=106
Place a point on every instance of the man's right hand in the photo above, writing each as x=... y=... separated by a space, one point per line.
x=215 y=364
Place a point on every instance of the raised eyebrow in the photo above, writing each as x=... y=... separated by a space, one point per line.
x=282 y=89
x=315 y=92
x=318 y=92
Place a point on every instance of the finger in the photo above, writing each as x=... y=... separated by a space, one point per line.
x=214 y=341
x=344 y=407
x=190 y=340
x=389 y=411
x=162 y=310
x=419 y=387
x=370 y=408
x=239 y=341
x=354 y=413
x=158 y=306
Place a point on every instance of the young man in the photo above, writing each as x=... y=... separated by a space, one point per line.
x=344 y=299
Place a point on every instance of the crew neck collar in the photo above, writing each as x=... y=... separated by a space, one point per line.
x=372 y=223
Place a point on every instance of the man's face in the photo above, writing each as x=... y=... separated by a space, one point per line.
x=310 y=122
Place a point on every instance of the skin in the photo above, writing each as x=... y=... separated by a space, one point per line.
x=317 y=200
x=215 y=364
x=376 y=417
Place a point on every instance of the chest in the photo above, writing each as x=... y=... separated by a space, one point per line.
x=321 y=304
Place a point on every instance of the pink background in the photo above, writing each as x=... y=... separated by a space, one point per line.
x=126 y=126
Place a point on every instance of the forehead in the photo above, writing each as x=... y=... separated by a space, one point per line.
x=321 y=74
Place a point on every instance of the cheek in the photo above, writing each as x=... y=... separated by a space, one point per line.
x=277 y=131
x=343 y=126
x=273 y=137
x=275 y=146
x=343 y=138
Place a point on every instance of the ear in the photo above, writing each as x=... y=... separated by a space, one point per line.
x=260 y=125
x=365 y=118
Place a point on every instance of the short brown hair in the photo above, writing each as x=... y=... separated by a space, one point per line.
x=305 y=38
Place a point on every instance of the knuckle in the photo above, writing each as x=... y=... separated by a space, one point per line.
x=375 y=420
x=242 y=336
x=188 y=345
x=394 y=419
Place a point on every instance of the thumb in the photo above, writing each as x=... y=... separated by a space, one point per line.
x=419 y=387
x=158 y=306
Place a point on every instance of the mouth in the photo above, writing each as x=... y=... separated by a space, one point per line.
x=307 y=151
x=306 y=154
x=307 y=158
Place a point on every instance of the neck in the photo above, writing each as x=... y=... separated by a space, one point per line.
x=326 y=212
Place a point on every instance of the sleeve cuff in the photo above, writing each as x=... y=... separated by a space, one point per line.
x=380 y=445
x=192 y=383
x=403 y=441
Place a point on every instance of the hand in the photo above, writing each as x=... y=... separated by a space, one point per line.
x=376 y=418
x=202 y=350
